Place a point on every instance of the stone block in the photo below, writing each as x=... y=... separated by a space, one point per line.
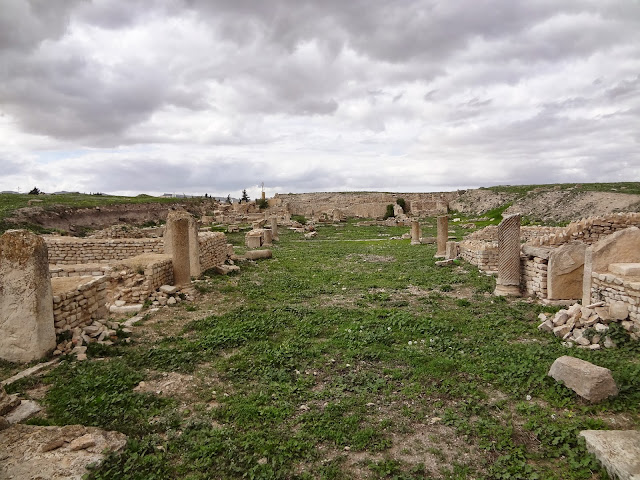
x=27 y=330
x=618 y=310
x=625 y=269
x=617 y=450
x=589 y=381
x=566 y=271
x=258 y=254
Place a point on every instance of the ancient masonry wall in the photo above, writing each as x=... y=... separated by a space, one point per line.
x=534 y=276
x=213 y=249
x=81 y=306
x=135 y=286
x=127 y=231
x=71 y=250
x=83 y=270
x=589 y=230
x=611 y=288
x=483 y=255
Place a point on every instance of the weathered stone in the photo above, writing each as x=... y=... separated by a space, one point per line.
x=253 y=239
x=258 y=254
x=274 y=228
x=546 y=326
x=178 y=245
x=443 y=234
x=168 y=289
x=618 y=310
x=591 y=382
x=452 y=250
x=415 y=232
x=561 y=318
x=27 y=329
x=80 y=443
x=171 y=301
x=617 y=450
x=26 y=409
x=619 y=247
x=565 y=272
x=625 y=269
x=226 y=269
x=7 y=402
x=508 y=282
x=561 y=330
x=134 y=308
x=267 y=237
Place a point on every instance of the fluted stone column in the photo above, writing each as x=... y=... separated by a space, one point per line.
x=274 y=228
x=508 y=282
x=443 y=235
x=415 y=232
x=27 y=331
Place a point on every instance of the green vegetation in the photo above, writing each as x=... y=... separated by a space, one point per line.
x=621 y=187
x=400 y=201
x=389 y=213
x=340 y=359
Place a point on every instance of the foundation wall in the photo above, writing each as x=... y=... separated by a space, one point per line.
x=134 y=283
x=609 y=288
x=483 y=255
x=213 y=249
x=533 y=280
x=81 y=305
x=72 y=250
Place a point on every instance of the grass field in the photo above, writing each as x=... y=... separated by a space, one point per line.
x=347 y=356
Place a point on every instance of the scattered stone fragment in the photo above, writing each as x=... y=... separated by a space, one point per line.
x=617 y=450
x=7 y=402
x=171 y=301
x=52 y=445
x=80 y=443
x=135 y=308
x=258 y=254
x=26 y=409
x=168 y=289
x=591 y=382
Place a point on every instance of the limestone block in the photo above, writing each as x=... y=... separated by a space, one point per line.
x=274 y=229
x=177 y=244
x=267 y=237
x=253 y=239
x=625 y=269
x=591 y=382
x=618 y=310
x=27 y=330
x=258 y=254
x=619 y=247
x=617 y=450
x=452 y=250
x=565 y=272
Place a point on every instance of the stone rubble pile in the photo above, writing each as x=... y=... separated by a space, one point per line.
x=585 y=326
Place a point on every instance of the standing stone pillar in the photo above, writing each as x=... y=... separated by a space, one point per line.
x=268 y=237
x=26 y=298
x=194 y=248
x=443 y=235
x=415 y=232
x=508 y=282
x=177 y=243
x=274 y=228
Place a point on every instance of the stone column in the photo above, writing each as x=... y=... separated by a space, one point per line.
x=26 y=298
x=274 y=228
x=443 y=235
x=177 y=243
x=415 y=232
x=508 y=282
x=194 y=248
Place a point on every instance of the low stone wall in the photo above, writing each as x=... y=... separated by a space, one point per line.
x=82 y=270
x=611 y=288
x=213 y=249
x=72 y=250
x=527 y=233
x=483 y=255
x=533 y=280
x=127 y=231
x=135 y=279
x=78 y=301
x=590 y=230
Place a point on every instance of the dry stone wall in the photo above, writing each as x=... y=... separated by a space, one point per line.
x=534 y=275
x=363 y=204
x=83 y=270
x=72 y=250
x=79 y=304
x=213 y=249
x=622 y=292
x=483 y=255
x=138 y=277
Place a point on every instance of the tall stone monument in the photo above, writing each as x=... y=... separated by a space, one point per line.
x=508 y=282
x=26 y=299
x=178 y=240
x=443 y=235
x=274 y=228
x=415 y=232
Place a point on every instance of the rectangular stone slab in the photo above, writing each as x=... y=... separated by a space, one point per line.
x=625 y=269
x=591 y=382
x=617 y=450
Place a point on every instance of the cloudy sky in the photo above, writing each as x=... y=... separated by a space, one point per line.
x=195 y=96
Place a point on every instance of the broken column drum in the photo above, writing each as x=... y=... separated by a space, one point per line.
x=508 y=282
x=415 y=232
x=443 y=235
x=27 y=330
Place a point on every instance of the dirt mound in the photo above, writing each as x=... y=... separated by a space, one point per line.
x=568 y=205
x=75 y=219
x=480 y=200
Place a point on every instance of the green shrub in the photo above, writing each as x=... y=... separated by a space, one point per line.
x=400 y=201
x=389 y=212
